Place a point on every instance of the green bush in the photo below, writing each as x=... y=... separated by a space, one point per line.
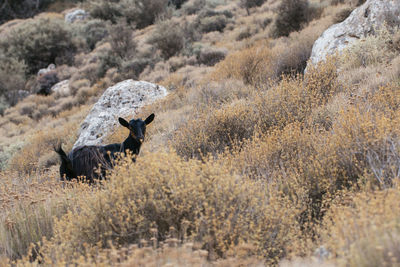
x=122 y=44
x=350 y=2
x=291 y=15
x=3 y=105
x=210 y=20
x=169 y=38
x=12 y=9
x=214 y=23
x=12 y=78
x=93 y=31
x=40 y=43
x=141 y=13
x=105 y=10
x=131 y=69
x=193 y=6
x=211 y=13
x=177 y=3
x=123 y=49
x=247 y=4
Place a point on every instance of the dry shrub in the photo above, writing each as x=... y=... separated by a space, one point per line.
x=62 y=104
x=349 y=2
x=122 y=44
x=214 y=130
x=145 y=254
x=313 y=165
x=138 y=12
x=157 y=74
x=89 y=72
x=244 y=33
x=6 y=152
x=163 y=253
x=12 y=78
x=27 y=108
x=294 y=52
x=289 y=158
x=64 y=72
x=93 y=31
x=269 y=156
x=365 y=231
x=212 y=23
x=372 y=50
x=211 y=56
x=168 y=37
x=260 y=64
x=182 y=199
x=29 y=205
x=217 y=94
x=20 y=119
x=178 y=62
x=293 y=99
x=27 y=159
x=366 y=145
x=84 y=93
x=75 y=85
x=247 y=4
x=343 y=14
x=323 y=116
x=251 y=65
x=191 y=7
x=131 y=69
x=35 y=106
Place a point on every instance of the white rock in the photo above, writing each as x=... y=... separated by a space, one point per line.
x=361 y=22
x=121 y=100
x=78 y=14
x=61 y=89
x=46 y=70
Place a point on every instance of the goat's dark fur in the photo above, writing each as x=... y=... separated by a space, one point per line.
x=92 y=162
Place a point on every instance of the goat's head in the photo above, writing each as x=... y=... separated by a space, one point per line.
x=137 y=127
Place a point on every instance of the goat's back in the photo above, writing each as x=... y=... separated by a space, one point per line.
x=90 y=161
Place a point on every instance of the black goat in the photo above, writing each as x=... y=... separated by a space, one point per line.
x=91 y=162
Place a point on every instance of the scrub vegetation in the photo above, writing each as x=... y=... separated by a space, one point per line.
x=249 y=161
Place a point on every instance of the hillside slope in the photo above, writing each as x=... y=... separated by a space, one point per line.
x=248 y=162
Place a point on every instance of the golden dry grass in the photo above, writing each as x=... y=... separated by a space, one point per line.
x=243 y=166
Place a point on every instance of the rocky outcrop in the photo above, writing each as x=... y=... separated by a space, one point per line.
x=361 y=22
x=120 y=100
x=50 y=68
x=75 y=15
x=61 y=89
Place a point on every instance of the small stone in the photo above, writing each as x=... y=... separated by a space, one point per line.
x=75 y=15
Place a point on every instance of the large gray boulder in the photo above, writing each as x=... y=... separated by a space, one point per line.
x=121 y=100
x=361 y=22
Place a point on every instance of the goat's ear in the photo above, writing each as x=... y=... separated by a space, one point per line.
x=123 y=122
x=149 y=119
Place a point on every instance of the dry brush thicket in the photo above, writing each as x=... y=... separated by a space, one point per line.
x=249 y=161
